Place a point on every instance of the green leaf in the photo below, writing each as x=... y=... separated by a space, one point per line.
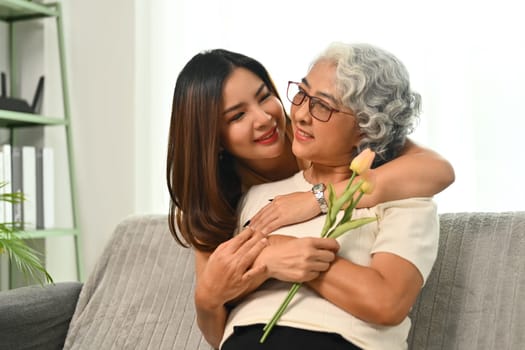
x=23 y=256
x=328 y=221
x=347 y=215
x=13 y=198
x=331 y=195
x=350 y=225
x=348 y=196
x=349 y=210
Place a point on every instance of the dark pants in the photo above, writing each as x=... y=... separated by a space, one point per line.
x=285 y=338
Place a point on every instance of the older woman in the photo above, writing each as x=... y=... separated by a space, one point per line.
x=359 y=289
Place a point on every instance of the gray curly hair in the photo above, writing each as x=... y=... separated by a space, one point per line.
x=375 y=85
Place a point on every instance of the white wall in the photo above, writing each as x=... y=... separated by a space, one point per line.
x=124 y=56
x=465 y=58
x=100 y=39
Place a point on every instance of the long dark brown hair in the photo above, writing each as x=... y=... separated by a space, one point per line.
x=203 y=184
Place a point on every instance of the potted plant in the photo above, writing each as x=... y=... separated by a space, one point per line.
x=13 y=244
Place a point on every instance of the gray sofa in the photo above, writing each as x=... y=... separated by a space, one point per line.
x=140 y=294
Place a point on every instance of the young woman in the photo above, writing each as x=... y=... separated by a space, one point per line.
x=358 y=291
x=228 y=132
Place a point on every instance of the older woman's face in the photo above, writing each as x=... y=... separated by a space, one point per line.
x=331 y=142
x=253 y=122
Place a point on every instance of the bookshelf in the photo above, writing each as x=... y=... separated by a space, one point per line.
x=12 y=12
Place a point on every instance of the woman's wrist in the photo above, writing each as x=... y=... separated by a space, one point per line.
x=277 y=239
x=267 y=255
x=262 y=260
x=206 y=299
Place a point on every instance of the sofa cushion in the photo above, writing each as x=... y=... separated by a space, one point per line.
x=475 y=295
x=140 y=294
x=37 y=317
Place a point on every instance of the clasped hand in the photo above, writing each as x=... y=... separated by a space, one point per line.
x=292 y=259
x=229 y=269
x=241 y=264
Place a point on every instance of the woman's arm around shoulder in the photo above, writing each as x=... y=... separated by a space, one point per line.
x=417 y=172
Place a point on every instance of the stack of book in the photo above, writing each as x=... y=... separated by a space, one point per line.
x=29 y=170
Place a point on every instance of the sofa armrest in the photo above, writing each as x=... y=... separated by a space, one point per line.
x=37 y=317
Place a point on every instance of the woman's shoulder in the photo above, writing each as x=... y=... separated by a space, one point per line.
x=293 y=183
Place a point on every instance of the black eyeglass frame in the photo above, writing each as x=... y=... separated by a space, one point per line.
x=310 y=104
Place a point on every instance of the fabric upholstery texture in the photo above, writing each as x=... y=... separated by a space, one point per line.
x=37 y=317
x=140 y=295
x=475 y=297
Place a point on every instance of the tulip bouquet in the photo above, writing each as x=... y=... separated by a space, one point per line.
x=347 y=201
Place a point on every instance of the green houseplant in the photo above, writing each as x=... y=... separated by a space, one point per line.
x=13 y=244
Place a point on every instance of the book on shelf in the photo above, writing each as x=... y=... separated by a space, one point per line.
x=6 y=208
x=29 y=170
x=45 y=189
x=2 y=181
x=12 y=164
x=16 y=184
x=29 y=180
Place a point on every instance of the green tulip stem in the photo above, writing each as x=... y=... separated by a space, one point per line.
x=268 y=328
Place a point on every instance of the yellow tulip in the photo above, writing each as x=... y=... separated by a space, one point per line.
x=363 y=161
x=369 y=182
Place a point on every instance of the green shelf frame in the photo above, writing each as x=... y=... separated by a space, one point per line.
x=51 y=232
x=9 y=119
x=21 y=10
x=12 y=11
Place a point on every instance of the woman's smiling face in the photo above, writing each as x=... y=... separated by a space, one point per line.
x=252 y=126
x=333 y=142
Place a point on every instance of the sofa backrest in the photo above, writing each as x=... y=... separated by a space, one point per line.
x=475 y=296
x=140 y=295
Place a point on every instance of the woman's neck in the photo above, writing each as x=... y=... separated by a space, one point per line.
x=281 y=167
x=317 y=173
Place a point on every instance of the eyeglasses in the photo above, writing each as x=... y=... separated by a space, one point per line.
x=319 y=109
